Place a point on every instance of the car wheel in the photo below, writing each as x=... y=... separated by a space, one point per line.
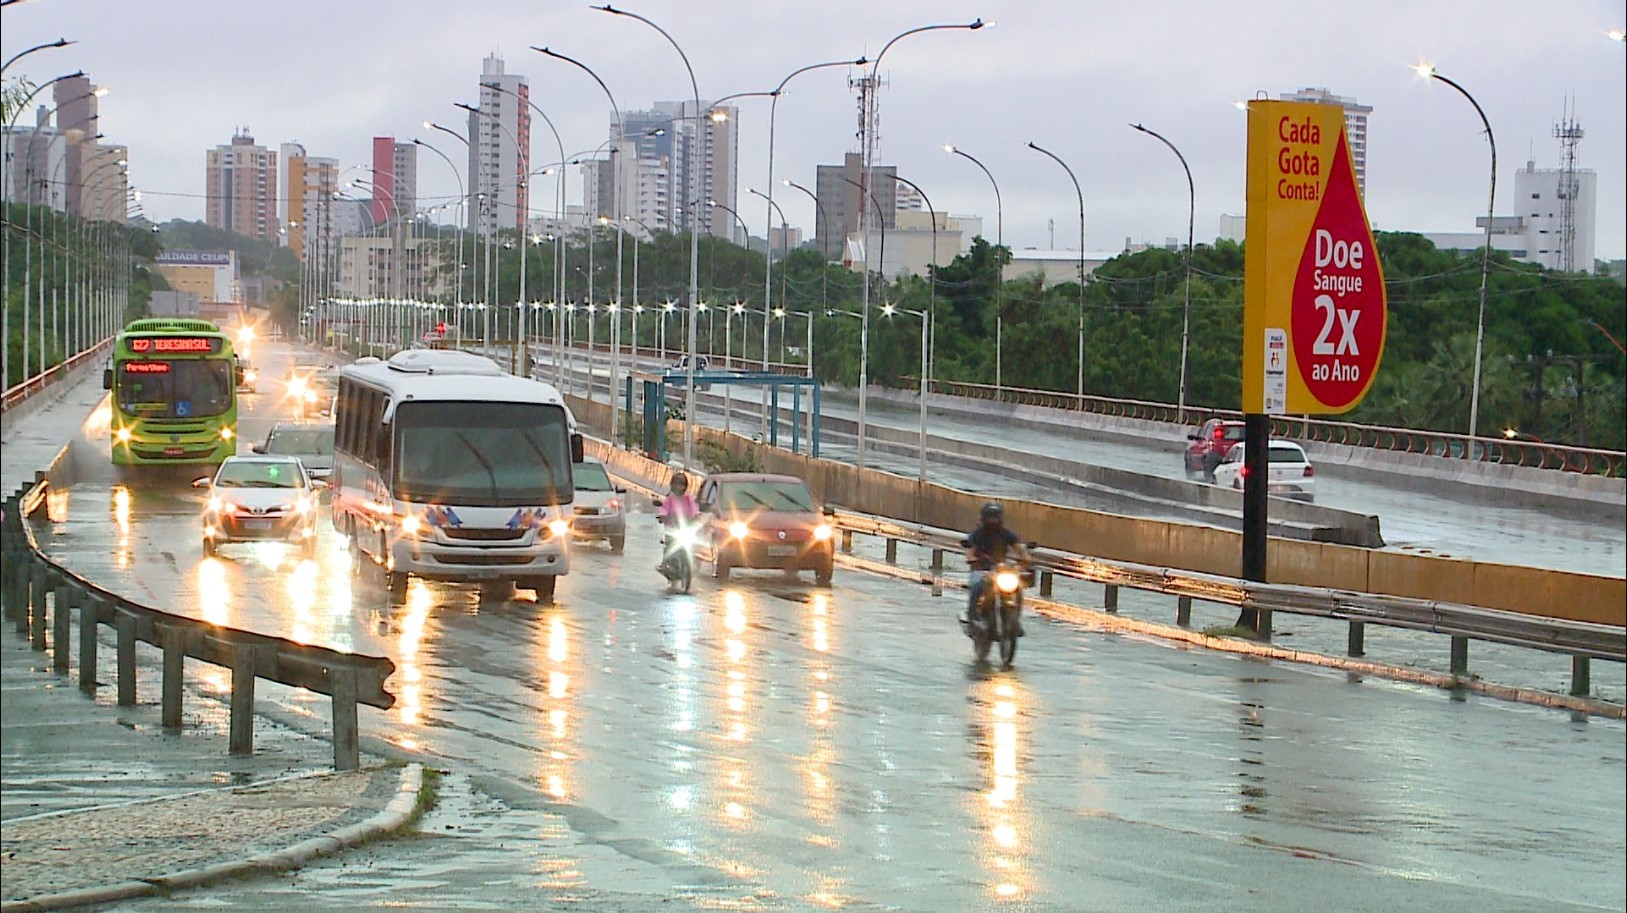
x=396 y=583
x=617 y=543
x=823 y=574
x=543 y=586
x=209 y=547
x=721 y=569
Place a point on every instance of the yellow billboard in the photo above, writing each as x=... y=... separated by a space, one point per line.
x=1314 y=305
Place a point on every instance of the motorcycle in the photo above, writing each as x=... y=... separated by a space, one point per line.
x=997 y=616
x=678 y=554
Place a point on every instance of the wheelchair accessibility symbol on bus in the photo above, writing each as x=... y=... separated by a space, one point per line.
x=183 y=408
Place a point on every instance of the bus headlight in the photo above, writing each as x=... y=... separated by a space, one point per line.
x=1007 y=581
x=560 y=528
x=124 y=435
x=411 y=525
x=739 y=529
x=822 y=532
x=227 y=434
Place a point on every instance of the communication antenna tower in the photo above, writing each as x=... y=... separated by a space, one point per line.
x=1569 y=133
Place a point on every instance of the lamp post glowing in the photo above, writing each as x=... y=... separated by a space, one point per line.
x=889 y=310
x=694 y=246
x=1186 y=308
x=1427 y=71
x=1079 y=388
x=932 y=286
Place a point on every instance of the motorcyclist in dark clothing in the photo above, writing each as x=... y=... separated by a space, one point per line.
x=986 y=547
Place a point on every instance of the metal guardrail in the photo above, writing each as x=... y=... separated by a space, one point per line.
x=1581 y=640
x=1536 y=454
x=27 y=388
x=33 y=584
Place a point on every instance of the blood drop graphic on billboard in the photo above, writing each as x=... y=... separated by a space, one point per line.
x=1337 y=314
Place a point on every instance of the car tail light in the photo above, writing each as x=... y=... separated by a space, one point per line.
x=1309 y=470
x=1242 y=472
x=1220 y=432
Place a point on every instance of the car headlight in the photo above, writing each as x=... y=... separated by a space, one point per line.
x=250 y=376
x=302 y=506
x=739 y=530
x=215 y=504
x=411 y=525
x=310 y=396
x=822 y=532
x=560 y=528
x=1007 y=581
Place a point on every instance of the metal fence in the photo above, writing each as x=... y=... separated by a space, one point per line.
x=50 y=376
x=36 y=590
x=1582 y=641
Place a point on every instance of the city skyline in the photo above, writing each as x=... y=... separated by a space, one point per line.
x=1069 y=79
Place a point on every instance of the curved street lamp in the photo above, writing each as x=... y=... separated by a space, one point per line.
x=694 y=247
x=999 y=265
x=1427 y=71
x=1186 y=309
x=1079 y=389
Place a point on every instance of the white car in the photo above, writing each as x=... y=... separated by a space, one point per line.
x=597 y=506
x=1290 y=471
x=260 y=498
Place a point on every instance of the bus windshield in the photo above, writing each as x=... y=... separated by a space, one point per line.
x=176 y=389
x=482 y=454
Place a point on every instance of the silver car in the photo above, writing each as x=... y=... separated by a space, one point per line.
x=598 y=510
x=310 y=442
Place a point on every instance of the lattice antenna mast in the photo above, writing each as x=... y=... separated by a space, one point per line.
x=1569 y=133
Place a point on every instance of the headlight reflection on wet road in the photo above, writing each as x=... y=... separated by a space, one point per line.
x=1000 y=811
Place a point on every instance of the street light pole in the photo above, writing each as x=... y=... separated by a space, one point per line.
x=824 y=273
x=999 y=268
x=1428 y=71
x=694 y=246
x=1079 y=387
x=1186 y=309
x=932 y=280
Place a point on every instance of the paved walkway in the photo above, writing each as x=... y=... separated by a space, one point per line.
x=99 y=802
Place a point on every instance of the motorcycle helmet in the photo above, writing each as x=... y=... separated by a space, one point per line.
x=992 y=513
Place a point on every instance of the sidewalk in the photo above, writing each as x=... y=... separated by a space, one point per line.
x=99 y=803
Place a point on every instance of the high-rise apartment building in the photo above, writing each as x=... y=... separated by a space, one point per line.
x=673 y=168
x=395 y=179
x=105 y=189
x=1355 y=126
x=500 y=151
x=307 y=205
x=241 y=188
x=840 y=199
x=34 y=156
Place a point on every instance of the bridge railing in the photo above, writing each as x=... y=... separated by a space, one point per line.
x=1518 y=452
x=1581 y=640
x=23 y=390
x=36 y=590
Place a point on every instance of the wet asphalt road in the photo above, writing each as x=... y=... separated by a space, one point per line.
x=775 y=746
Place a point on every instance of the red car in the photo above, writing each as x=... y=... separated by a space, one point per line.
x=757 y=520
x=1206 y=449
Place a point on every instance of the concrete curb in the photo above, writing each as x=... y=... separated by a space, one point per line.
x=397 y=814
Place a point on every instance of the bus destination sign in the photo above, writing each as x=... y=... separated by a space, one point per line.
x=175 y=345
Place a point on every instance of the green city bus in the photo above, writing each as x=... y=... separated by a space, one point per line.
x=174 y=402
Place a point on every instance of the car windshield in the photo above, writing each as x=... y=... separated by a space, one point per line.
x=176 y=389
x=767 y=495
x=591 y=477
x=318 y=441
x=483 y=454
x=259 y=474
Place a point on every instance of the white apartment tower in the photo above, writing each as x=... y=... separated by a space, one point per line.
x=499 y=151
x=1355 y=126
x=678 y=170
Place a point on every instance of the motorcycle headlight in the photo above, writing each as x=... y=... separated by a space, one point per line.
x=1007 y=581
x=822 y=532
x=684 y=536
x=739 y=529
x=560 y=528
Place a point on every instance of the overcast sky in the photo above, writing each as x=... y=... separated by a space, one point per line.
x=1067 y=74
